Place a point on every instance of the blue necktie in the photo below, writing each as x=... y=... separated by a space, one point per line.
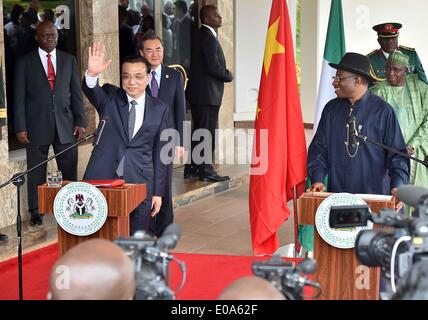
x=154 y=85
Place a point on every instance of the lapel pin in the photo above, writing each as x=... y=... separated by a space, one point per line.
x=167 y=76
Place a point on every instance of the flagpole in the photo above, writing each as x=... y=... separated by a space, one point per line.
x=296 y=224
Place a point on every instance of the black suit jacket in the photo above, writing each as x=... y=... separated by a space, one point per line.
x=171 y=92
x=142 y=154
x=208 y=71
x=39 y=110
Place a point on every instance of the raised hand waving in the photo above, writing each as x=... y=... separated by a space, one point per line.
x=96 y=59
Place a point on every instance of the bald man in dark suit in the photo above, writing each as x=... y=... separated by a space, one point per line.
x=208 y=73
x=48 y=110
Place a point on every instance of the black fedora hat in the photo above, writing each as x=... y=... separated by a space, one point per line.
x=355 y=63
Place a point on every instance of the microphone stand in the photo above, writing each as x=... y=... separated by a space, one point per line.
x=366 y=139
x=18 y=180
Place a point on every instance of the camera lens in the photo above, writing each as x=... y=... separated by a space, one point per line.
x=374 y=248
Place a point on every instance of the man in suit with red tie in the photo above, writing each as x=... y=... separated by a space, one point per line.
x=167 y=85
x=131 y=145
x=48 y=110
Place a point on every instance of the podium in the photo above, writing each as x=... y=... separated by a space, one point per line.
x=338 y=270
x=120 y=200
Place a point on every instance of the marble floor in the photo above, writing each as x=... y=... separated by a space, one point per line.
x=220 y=224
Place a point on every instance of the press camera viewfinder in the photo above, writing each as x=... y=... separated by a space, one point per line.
x=349 y=216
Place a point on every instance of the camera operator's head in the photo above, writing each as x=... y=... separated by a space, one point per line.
x=414 y=284
x=93 y=270
x=251 y=288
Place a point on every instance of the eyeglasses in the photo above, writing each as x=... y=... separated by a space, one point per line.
x=338 y=79
x=137 y=77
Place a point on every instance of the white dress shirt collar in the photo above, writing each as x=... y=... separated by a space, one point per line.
x=140 y=101
x=43 y=57
x=158 y=71
x=211 y=29
x=385 y=54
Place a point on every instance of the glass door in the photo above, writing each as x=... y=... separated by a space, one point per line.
x=20 y=20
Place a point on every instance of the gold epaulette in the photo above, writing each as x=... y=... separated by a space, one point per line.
x=373 y=52
x=407 y=48
x=373 y=75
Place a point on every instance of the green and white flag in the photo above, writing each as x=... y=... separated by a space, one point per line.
x=334 y=50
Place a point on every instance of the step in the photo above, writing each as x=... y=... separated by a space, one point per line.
x=188 y=191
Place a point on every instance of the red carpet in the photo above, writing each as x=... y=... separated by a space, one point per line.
x=36 y=266
x=207 y=275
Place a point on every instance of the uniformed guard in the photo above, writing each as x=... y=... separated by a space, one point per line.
x=388 y=40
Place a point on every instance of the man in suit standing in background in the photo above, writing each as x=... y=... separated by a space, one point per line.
x=167 y=85
x=48 y=110
x=130 y=147
x=208 y=73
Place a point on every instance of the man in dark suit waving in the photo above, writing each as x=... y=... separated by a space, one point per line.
x=130 y=146
x=208 y=73
x=48 y=110
x=167 y=85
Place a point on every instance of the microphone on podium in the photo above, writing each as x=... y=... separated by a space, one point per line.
x=99 y=132
x=412 y=195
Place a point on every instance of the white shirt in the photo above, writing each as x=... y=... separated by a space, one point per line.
x=385 y=54
x=91 y=82
x=211 y=29
x=43 y=57
x=158 y=71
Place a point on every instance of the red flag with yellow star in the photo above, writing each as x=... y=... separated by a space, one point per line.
x=279 y=151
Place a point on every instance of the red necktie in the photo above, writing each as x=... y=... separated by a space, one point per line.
x=51 y=72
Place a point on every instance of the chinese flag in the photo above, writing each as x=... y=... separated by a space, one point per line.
x=279 y=151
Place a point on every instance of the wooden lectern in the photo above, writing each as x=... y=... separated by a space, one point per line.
x=337 y=268
x=120 y=200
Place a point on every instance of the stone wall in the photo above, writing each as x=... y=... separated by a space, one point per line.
x=7 y=168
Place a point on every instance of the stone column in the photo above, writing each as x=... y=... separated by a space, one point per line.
x=226 y=37
x=97 y=21
x=7 y=196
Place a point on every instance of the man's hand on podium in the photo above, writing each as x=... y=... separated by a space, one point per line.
x=398 y=204
x=317 y=187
